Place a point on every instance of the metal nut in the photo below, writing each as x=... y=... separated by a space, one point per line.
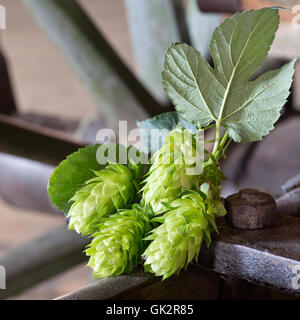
x=250 y=209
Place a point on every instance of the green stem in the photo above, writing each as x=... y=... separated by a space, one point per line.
x=222 y=144
x=222 y=150
x=208 y=127
x=220 y=141
x=218 y=136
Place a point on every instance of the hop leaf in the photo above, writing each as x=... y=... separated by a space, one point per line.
x=177 y=241
x=169 y=174
x=118 y=245
x=111 y=189
x=202 y=94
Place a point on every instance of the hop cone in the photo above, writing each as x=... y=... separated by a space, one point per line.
x=210 y=179
x=177 y=241
x=110 y=190
x=169 y=175
x=118 y=245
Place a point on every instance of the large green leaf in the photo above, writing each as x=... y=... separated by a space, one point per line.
x=202 y=94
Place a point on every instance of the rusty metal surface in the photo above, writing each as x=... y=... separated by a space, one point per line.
x=224 y=6
x=250 y=209
x=237 y=289
x=196 y=283
x=270 y=256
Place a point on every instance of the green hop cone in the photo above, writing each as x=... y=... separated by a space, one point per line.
x=172 y=169
x=118 y=245
x=177 y=241
x=210 y=178
x=111 y=189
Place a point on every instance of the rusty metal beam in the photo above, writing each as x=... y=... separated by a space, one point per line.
x=34 y=142
x=40 y=259
x=268 y=257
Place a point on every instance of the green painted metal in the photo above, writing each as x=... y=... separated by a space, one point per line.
x=153 y=26
x=114 y=87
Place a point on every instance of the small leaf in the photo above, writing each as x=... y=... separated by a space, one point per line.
x=70 y=175
x=153 y=139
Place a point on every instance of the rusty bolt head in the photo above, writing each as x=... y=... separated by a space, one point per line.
x=250 y=209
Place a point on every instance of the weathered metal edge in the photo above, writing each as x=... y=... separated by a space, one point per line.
x=258 y=256
x=256 y=266
x=109 y=288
